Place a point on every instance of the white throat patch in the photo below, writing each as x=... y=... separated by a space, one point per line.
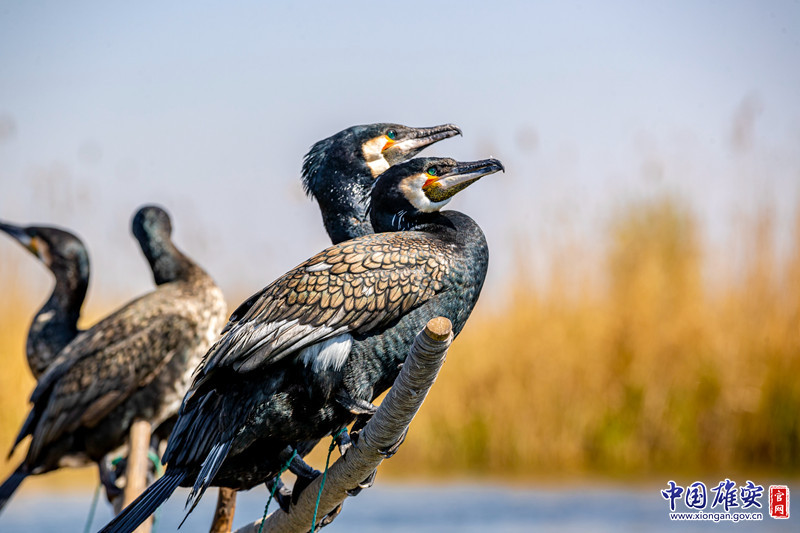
x=412 y=190
x=373 y=155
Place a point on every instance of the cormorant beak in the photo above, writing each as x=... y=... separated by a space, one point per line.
x=20 y=235
x=463 y=175
x=413 y=140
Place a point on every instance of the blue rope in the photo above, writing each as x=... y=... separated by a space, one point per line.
x=274 y=488
x=89 y=519
x=324 y=476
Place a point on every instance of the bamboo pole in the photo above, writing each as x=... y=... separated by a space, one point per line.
x=386 y=428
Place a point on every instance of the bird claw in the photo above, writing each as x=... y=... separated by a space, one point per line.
x=367 y=483
x=328 y=518
x=345 y=442
x=357 y=406
x=391 y=450
x=109 y=474
x=281 y=494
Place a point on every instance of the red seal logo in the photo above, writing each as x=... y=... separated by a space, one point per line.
x=779 y=501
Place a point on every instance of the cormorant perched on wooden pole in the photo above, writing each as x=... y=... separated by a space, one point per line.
x=316 y=346
x=56 y=323
x=338 y=172
x=135 y=364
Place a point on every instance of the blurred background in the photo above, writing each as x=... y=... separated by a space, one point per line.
x=641 y=318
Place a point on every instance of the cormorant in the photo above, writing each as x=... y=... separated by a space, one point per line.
x=320 y=343
x=339 y=171
x=56 y=323
x=134 y=364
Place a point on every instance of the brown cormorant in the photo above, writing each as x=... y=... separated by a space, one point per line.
x=134 y=364
x=327 y=337
x=56 y=323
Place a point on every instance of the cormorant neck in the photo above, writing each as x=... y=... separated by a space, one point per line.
x=410 y=220
x=168 y=263
x=341 y=184
x=343 y=221
x=68 y=294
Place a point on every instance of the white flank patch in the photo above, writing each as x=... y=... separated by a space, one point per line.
x=327 y=355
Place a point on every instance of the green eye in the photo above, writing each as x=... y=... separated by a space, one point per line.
x=391 y=134
x=432 y=171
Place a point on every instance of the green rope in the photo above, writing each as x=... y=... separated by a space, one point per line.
x=157 y=466
x=324 y=476
x=89 y=519
x=156 y=463
x=274 y=488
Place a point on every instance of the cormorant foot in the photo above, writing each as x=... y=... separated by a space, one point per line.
x=357 y=406
x=301 y=469
x=344 y=441
x=300 y=485
x=108 y=478
x=391 y=450
x=282 y=494
x=367 y=483
x=328 y=518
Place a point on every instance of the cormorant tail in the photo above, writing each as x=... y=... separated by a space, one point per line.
x=146 y=504
x=11 y=484
x=209 y=469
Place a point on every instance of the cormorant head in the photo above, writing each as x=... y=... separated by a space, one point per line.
x=152 y=227
x=408 y=191
x=59 y=250
x=339 y=171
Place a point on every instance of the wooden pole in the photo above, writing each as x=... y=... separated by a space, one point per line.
x=138 y=466
x=385 y=429
x=223 y=515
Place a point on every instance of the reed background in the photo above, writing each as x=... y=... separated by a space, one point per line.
x=631 y=363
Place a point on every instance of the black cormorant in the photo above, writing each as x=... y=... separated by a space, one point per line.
x=339 y=171
x=326 y=338
x=56 y=323
x=134 y=364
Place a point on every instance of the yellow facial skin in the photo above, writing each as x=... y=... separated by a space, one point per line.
x=437 y=193
x=40 y=249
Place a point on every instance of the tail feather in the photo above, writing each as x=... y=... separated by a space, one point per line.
x=146 y=504
x=209 y=469
x=11 y=484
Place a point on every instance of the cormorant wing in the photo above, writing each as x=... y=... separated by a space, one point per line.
x=356 y=286
x=103 y=366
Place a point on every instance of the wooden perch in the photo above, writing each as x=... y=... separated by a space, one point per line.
x=223 y=515
x=138 y=466
x=385 y=429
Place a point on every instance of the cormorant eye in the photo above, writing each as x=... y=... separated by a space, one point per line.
x=432 y=171
x=391 y=134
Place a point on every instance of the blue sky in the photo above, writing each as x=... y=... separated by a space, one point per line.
x=208 y=108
